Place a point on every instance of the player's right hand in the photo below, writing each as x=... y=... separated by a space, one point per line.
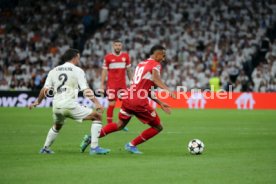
x=33 y=105
x=166 y=108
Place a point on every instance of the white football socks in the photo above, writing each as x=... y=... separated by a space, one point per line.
x=95 y=133
x=52 y=135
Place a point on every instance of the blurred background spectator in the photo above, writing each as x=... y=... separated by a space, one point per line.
x=234 y=41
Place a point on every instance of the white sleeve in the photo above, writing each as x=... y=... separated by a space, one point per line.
x=104 y=64
x=49 y=81
x=157 y=68
x=82 y=80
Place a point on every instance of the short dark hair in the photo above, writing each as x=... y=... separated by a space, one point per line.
x=69 y=54
x=117 y=40
x=155 y=48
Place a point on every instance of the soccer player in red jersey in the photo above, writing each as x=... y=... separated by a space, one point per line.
x=115 y=67
x=146 y=76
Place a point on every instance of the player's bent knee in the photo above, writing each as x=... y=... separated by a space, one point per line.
x=94 y=116
x=121 y=124
x=156 y=124
x=120 y=127
x=160 y=128
x=98 y=117
x=57 y=126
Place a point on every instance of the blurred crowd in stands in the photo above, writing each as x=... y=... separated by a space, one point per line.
x=233 y=41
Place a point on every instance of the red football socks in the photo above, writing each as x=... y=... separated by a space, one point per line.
x=144 y=136
x=110 y=127
x=109 y=113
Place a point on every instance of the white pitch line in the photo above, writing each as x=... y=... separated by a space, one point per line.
x=161 y=132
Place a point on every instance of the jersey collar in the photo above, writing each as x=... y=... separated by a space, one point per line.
x=116 y=54
x=69 y=63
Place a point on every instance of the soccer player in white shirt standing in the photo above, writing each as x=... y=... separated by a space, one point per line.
x=66 y=80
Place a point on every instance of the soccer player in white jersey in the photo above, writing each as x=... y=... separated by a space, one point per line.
x=66 y=80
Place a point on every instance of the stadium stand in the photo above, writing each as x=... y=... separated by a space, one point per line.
x=230 y=39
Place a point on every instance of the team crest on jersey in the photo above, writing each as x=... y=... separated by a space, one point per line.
x=158 y=67
x=123 y=59
x=112 y=60
x=153 y=114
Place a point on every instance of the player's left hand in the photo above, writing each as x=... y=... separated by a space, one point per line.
x=166 y=108
x=33 y=105
x=99 y=108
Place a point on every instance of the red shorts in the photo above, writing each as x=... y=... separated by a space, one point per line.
x=114 y=93
x=144 y=113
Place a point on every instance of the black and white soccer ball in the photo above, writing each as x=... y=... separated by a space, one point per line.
x=195 y=146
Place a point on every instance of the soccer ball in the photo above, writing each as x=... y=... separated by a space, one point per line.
x=195 y=146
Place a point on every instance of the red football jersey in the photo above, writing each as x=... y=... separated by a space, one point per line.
x=142 y=79
x=116 y=66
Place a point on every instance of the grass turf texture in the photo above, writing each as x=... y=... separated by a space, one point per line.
x=240 y=148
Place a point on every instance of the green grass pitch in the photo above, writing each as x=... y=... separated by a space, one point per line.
x=240 y=149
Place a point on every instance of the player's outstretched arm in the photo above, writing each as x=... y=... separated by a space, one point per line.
x=159 y=83
x=129 y=74
x=40 y=97
x=165 y=107
x=104 y=75
x=90 y=94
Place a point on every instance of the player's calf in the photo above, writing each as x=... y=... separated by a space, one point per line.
x=96 y=127
x=147 y=134
x=51 y=137
x=121 y=124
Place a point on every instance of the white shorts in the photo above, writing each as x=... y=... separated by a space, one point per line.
x=78 y=113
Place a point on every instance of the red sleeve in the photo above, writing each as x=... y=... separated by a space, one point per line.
x=105 y=62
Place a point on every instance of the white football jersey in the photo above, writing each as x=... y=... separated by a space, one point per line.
x=66 y=80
